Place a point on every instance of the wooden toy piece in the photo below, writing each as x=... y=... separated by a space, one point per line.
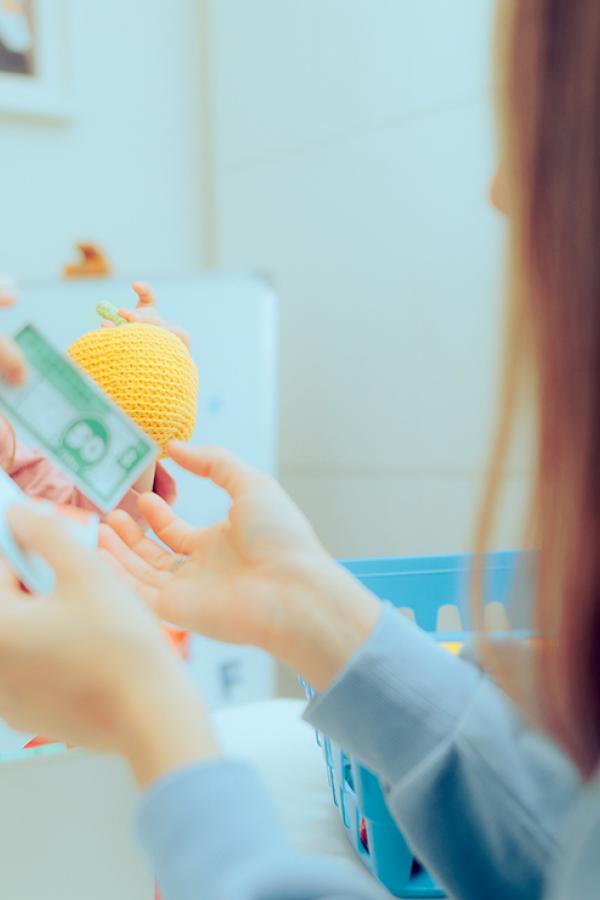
x=91 y=264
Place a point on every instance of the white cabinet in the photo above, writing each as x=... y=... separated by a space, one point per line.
x=232 y=321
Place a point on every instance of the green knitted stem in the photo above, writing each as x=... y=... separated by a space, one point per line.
x=110 y=313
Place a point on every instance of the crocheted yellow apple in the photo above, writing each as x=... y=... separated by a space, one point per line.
x=147 y=370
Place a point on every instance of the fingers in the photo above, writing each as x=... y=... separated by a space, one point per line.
x=49 y=537
x=128 y=315
x=12 y=363
x=143 y=314
x=167 y=527
x=147 y=592
x=124 y=526
x=145 y=294
x=219 y=466
x=149 y=313
x=182 y=334
x=136 y=540
x=128 y=560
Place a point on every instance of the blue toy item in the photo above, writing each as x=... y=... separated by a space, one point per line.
x=435 y=592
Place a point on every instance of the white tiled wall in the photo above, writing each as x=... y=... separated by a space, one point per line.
x=125 y=170
x=353 y=149
x=292 y=74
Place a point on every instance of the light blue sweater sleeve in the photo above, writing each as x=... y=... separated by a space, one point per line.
x=210 y=832
x=480 y=797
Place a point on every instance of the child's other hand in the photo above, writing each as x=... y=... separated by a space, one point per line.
x=147 y=311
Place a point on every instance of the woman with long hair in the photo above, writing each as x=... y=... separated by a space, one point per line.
x=483 y=798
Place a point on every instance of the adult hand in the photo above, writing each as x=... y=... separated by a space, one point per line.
x=89 y=665
x=260 y=577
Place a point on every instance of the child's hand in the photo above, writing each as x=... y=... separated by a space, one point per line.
x=146 y=311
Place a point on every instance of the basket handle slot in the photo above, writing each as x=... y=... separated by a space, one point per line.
x=347 y=774
x=448 y=618
x=495 y=618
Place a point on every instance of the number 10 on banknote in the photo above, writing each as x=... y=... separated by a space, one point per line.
x=65 y=415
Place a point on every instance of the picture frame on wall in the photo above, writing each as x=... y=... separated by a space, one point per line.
x=33 y=59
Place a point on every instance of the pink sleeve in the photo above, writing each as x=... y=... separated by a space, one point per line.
x=41 y=479
x=33 y=472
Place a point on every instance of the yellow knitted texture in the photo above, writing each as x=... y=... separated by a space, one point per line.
x=148 y=372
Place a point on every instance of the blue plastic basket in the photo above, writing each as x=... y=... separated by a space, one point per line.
x=428 y=588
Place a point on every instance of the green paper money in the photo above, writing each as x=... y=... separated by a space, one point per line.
x=63 y=413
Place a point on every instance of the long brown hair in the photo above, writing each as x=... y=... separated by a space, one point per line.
x=549 y=104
